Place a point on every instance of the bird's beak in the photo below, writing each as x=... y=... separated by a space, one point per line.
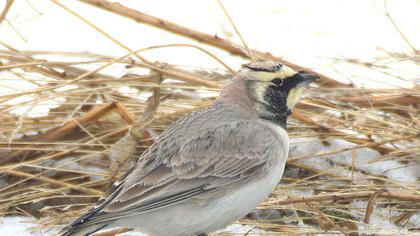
x=307 y=79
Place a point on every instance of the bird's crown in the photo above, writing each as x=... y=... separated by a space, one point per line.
x=267 y=71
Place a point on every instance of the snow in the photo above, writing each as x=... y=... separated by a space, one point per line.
x=365 y=159
x=241 y=229
x=21 y=226
x=394 y=170
x=380 y=222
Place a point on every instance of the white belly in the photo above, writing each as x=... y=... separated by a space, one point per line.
x=239 y=203
x=243 y=201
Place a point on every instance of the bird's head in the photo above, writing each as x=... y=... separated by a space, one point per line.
x=273 y=89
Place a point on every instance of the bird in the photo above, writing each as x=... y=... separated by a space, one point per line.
x=210 y=168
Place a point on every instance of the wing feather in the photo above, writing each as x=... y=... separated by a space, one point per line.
x=184 y=164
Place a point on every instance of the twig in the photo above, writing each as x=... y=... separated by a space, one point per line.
x=53 y=181
x=360 y=146
x=60 y=154
x=381 y=101
x=326 y=218
x=349 y=196
x=44 y=71
x=5 y=10
x=370 y=208
x=317 y=171
x=237 y=31
x=398 y=28
x=65 y=129
x=116 y=41
x=371 y=101
x=351 y=138
x=181 y=76
x=213 y=40
x=143 y=59
x=233 y=72
x=130 y=142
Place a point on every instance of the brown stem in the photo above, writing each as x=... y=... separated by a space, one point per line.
x=381 y=101
x=370 y=208
x=385 y=101
x=327 y=219
x=52 y=181
x=212 y=40
x=351 y=138
x=398 y=28
x=65 y=129
x=350 y=196
x=5 y=10
x=138 y=130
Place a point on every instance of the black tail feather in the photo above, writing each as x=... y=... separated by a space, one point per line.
x=88 y=224
x=82 y=230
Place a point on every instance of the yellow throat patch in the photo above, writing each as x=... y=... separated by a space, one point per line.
x=293 y=96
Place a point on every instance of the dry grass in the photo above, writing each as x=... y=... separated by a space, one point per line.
x=56 y=165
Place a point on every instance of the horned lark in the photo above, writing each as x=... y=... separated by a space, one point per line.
x=210 y=168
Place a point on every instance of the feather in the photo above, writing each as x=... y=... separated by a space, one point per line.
x=198 y=157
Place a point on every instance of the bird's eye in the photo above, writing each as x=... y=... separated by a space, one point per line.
x=277 y=82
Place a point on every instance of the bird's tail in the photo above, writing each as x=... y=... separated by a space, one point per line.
x=92 y=221
x=82 y=230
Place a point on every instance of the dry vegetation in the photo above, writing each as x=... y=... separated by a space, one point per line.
x=56 y=166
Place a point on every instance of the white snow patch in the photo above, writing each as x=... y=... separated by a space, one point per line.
x=394 y=170
x=240 y=229
x=414 y=220
x=365 y=159
x=71 y=163
x=301 y=192
x=380 y=221
x=21 y=226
